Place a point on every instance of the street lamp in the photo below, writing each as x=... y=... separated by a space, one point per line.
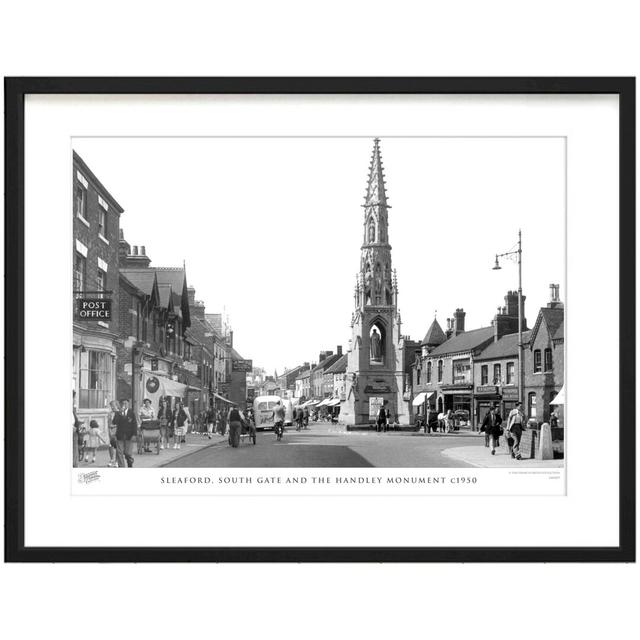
x=518 y=253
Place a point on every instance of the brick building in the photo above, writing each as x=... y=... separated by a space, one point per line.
x=544 y=360
x=96 y=224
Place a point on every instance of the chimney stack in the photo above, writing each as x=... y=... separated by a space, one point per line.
x=135 y=249
x=458 y=327
x=191 y=293
x=555 y=302
x=449 y=330
x=339 y=348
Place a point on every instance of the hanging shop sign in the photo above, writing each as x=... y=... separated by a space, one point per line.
x=245 y=366
x=93 y=309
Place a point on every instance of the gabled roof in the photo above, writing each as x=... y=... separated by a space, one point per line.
x=177 y=278
x=466 y=341
x=505 y=347
x=164 y=291
x=143 y=279
x=327 y=362
x=435 y=335
x=339 y=366
x=553 y=317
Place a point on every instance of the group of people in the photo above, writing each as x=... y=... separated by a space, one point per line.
x=492 y=428
x=172 y=424
x=301 y=417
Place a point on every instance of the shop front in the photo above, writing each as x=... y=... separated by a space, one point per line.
x=486 y=397
x=509 y=399
x=458 y=398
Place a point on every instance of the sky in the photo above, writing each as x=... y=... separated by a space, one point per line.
x=270 y=229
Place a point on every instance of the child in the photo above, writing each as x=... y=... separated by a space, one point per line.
x=93 y=441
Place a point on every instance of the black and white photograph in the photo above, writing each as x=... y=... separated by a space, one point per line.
x=309 y=302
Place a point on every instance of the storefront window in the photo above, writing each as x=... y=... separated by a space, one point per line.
x=95 y=379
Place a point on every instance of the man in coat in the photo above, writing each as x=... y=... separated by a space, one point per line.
x=491 y=426
x=126 y=427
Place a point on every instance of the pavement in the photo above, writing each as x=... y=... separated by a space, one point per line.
x=480 y=456
x=194 y=442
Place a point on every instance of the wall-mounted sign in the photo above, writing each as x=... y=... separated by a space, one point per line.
x=374 y=407
x=93 y=309
x=377 y=388
x=245 y=366
x=510 y=393
x=487 y=389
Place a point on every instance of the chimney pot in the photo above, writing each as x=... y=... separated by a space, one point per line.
x=135 y=249
x=143 y=251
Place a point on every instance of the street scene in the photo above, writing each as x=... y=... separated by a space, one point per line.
x=160 y=378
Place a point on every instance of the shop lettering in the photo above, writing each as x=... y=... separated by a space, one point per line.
x=94 y=309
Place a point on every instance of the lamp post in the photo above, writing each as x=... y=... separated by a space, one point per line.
x=518 y=253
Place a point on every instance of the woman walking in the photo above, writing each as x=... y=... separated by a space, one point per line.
x=164 y=414
x=235 y=426
x=180 y=423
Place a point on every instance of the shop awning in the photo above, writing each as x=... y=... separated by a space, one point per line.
x=310 y=403
x=172 y=388
x=325 y=402
x=559 y=399
x=217 y=397
x=419 y=399
x=333 y=402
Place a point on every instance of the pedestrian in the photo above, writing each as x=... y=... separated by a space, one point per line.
x=126 y=426
x=382 y=419
x=515 y=427
x=164 y=414
x=180 y=423
x=300 y=418
x=94 y=438
x=211 y=420
x=491 y=426
x=146 y=414
x=113 y=443
x=222 y=423
x=306 y=417
x=449 y=421
x=554 y=419
x=235 y=426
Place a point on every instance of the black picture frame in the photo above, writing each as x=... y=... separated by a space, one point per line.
x=15 y=91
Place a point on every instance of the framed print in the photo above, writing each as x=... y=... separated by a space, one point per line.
x=320 y=319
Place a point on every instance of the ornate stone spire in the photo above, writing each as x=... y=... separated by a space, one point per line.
x=376 y=193
x=376 y=275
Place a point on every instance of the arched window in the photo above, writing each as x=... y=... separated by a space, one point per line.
x=439 y=370
x=428 y=372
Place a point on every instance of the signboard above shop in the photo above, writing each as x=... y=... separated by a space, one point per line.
x=245 y=366
x=98 y=309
